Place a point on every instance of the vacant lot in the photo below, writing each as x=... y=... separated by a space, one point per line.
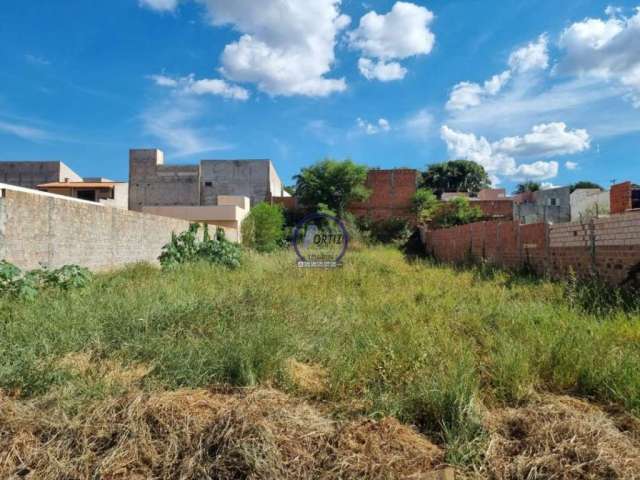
x=142 y=372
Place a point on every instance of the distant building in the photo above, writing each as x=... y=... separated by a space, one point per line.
x=99 y=190
x=154 y=184
x=625 y=197
x=392 y=193
x=552 y=205
x=589 y=203
x=448 y=196
x=492 y=194
x=32 y=174
x=56 y=177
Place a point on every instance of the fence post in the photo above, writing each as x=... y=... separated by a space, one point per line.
x=547 y=248
x=592 y=244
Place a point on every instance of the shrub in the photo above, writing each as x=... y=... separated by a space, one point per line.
x=187 y=248
x=425 y=203
x=263 y=229
x=26 y=285
x=391 y=230
x=456 y=212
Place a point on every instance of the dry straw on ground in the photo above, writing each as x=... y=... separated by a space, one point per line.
x=562 y=438
x=198 y=434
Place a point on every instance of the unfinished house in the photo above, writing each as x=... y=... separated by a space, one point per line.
x=625 y=197
x=152 y=183
x=588 y=203
x=99 y=190
x=552 y=205
x=32 y=174
x=57 y=178
x=216 y=192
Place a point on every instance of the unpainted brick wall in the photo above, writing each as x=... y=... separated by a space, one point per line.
x=392 y=193
x=502 y=209
x=41 y=229
x=620 y=198
x=609 y=246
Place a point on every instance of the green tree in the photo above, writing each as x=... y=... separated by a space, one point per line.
x=456 y=212
x=456 y=176
x=333 y=183
x=585 y=184
x=425 y=203
x=263 y=229
x=528 y=186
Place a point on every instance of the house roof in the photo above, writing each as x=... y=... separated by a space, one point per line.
x=78 y=185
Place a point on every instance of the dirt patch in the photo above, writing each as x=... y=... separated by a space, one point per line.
x=560 y=437
x=194 y=434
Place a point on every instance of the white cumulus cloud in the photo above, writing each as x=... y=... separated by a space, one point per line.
x=499 y=158
x=159 y=5
x=381 y=70
x=286 y=46
x=469 y=94
x=533 y=56
x=606 y=49
x=545 y=140
x=402 y=33
x=371 y=129
x=206 y=86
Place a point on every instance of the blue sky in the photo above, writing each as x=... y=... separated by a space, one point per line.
x=532 y=89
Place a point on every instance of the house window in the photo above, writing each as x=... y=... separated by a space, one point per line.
x=208 y=184
x=554 y=202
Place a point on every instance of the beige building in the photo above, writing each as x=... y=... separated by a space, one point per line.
x=103 y=191
x=228 y=214
x=57 y=178
x=152 y=183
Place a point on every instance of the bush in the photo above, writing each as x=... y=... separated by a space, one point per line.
x=26 y=285
x=263 y=229
x=187 y=248
x=425 y=203
x=391 y=230
x=456 y=212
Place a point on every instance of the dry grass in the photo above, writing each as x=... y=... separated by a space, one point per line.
x=312 y=380
x=199 y=434
x=560 y=437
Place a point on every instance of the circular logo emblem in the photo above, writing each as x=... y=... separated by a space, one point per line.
x=320 y=241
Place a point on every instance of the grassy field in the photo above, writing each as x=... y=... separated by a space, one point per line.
x=430 y=345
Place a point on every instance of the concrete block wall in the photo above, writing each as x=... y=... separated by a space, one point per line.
x=609 y=246
x=32 y=174
x=38 y=228
x=392 y=193
x=151 y=183
x=248 y=178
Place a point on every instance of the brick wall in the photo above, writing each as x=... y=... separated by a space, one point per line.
x=610 y=246
x=39 y=228
x=392 y=192
x=621 y=198
x=502 y=209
